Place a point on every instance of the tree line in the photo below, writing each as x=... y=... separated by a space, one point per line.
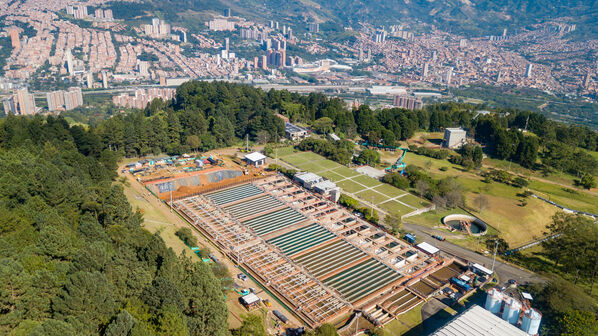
x=568 y=306
x=75 y=258
x=505 y=133
x=206 y=115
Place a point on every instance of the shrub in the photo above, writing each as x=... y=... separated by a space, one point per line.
x=186 y=235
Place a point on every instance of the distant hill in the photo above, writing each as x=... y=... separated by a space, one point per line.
x=471 y=17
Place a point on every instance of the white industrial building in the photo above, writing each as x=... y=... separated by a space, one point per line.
x=454 y=138
x=318 y=184
x=387 y=90
x=307 y=179
x=255 y=159
x=328 y=189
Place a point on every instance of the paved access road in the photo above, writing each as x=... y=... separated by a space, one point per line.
x=503 y=270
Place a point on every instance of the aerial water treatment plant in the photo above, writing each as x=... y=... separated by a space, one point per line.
x=315 y=256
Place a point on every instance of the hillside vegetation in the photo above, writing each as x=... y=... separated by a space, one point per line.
x=74 y=259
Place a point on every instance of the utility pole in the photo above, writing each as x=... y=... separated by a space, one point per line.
x=495 y=249
x=276 y=151
x=247 y=142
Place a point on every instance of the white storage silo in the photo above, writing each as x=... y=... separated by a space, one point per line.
x=511 y=311
x=531 y=321
x=494 y=300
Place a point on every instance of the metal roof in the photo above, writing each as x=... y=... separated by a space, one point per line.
x=477 y=321
x=291 y=128
x=483 y=269
x=527 y=296
x=428 y=248
x=250 y=299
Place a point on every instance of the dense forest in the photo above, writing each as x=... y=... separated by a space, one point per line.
x=74 y=258
x=205 y=116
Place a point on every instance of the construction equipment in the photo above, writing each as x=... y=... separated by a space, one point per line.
x=215 y=161
x=399 y=165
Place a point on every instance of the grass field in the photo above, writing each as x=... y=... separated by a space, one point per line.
x=517 y=224
x=154 y=221
x=285 y=151
x=362 y=187
x=573 y=199
x=405 y=322
x=395 y=208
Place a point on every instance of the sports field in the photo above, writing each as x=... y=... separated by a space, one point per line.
x=395 y=201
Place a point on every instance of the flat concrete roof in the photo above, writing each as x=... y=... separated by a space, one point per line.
x=255 y=156
x=325 y=185
x=454 y=129
x=477 y=321
x=307 y=177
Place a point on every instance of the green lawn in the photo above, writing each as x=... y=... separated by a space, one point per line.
x=389 y=190
x=346 y=172
x=405 y=322
x=433 y=218
x=577 y=200
x=517 y=224
x=367 y=181
x=328 y=164
x=396 y=208
x=368 y=195
x=594 y=154
x=310 y=156
x=350 y=186
x=312 y=167
x=285 y=151
x=414 y=201
x=354 y=182
x=332 y=176
x=295 y=160
x=154 y=221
